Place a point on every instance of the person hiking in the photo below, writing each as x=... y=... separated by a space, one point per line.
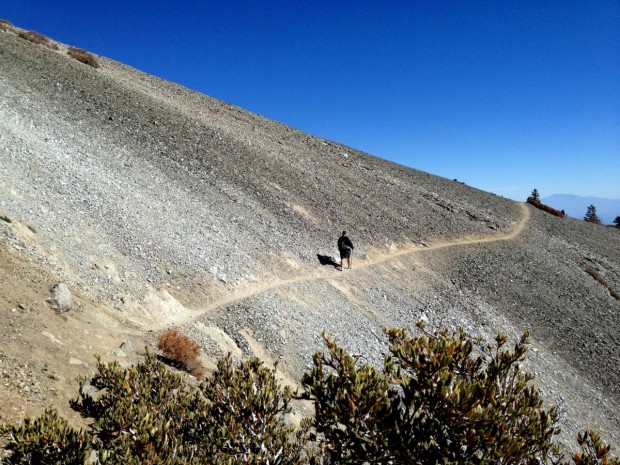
x=345 y=246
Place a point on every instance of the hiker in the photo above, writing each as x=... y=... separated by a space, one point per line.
x=345 y=246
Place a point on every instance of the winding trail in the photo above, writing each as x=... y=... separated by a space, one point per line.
x=374 y=258
x=379 y=257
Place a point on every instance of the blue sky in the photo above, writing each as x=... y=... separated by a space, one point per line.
x=504 y=96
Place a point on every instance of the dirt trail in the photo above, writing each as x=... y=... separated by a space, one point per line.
x=374 y=258
x=379 y=257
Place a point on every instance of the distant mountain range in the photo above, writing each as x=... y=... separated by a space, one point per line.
x=575 y=206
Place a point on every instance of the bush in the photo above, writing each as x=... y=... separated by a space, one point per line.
x=5 y=25
x=147 y=414
x=593 y=450
x=137 y=412
x=245 y=418
x=543 y=207
x=182 y=351
x=36 y=38
x=45 y=440
x=433 y=403
x=83 y=56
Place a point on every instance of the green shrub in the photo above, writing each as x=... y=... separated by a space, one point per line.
x=434 y=402
x=137 y=413
x=593 y=450
x=148 y=414
x=245 y=418
x=45 y=440
x=83 y=56
x=353 y=408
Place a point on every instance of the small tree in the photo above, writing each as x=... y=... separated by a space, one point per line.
x=591 y=215
x=617 y=221
x=535 y=195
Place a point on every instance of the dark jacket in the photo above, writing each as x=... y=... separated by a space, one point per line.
x=345 y=243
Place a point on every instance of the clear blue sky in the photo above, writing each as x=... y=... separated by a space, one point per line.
x=505 y=96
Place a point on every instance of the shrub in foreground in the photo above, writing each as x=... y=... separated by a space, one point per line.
x=593 y=450
x=246 y=417
x=149 y=414
x=138 y=412
x=45 y=440
x=434 y=402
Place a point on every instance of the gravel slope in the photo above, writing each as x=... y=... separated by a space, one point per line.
x=162 y=206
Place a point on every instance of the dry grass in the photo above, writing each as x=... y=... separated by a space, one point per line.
x=5 y=25
x=83 y=56
x=181 y=350
x=543 y=207
x=36 y=38
x=592 y=272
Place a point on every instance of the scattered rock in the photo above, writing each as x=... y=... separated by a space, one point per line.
x=128 y=346
x=61 y=296
x=77 y=361
x=26 y=308
x=51 y=337
x=118 y=353
x=89 y=392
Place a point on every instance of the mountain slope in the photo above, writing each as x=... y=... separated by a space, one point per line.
x=160 y=206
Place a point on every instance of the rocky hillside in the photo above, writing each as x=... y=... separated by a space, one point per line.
x=159 y=207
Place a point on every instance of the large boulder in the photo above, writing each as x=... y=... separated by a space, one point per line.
x=61 y=297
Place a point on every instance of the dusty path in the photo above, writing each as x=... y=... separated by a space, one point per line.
x=374 y=258
x=379 y=257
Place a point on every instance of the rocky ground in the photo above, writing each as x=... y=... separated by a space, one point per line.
x=161 y=207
